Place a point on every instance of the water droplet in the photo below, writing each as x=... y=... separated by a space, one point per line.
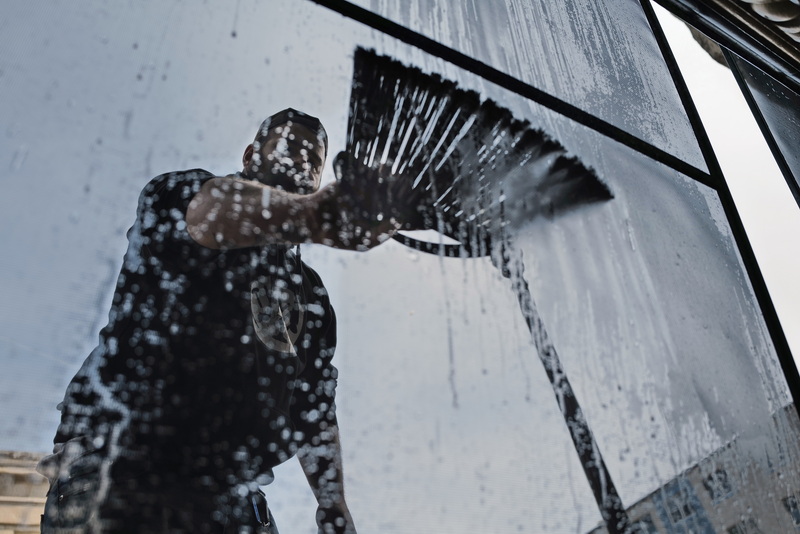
x=19 y=157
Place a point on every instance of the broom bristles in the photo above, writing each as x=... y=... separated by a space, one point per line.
x=462 y=151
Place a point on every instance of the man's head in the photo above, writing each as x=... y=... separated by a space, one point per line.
x=288 y=152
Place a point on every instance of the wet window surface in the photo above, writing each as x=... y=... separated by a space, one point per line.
x=447 y=413
x=599 y=56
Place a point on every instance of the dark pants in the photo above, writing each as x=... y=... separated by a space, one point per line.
x=87 y=495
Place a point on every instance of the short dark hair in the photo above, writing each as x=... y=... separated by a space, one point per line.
x=295 y=117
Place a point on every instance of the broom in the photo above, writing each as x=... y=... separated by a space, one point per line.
x=473 y=158
x=482 y=171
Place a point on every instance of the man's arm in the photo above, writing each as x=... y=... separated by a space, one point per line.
x=230 y=212
x=321 y=460
x=314 y=411
x=354 y=213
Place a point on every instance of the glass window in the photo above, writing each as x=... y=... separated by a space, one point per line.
x=644 y=525
x=679 y=507
x=598 y=56
x=718 y=485
x=444 y=406
x=748 y=526
x=793 y=507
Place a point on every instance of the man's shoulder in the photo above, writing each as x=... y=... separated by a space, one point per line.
x=177 y=187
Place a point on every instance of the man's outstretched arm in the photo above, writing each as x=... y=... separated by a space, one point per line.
x=321 y=460
x=356 y=213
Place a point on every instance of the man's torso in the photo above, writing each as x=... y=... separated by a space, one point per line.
x=203 y=350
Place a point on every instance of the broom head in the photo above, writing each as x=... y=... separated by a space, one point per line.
x=481 y=169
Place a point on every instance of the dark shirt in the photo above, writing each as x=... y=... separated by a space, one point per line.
x=213 y=361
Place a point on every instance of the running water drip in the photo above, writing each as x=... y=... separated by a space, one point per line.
x=235 y=19
x=451 y=358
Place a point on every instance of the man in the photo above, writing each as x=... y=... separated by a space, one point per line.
x=215 y=365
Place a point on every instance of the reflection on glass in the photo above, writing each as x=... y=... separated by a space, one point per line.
x=446 y=415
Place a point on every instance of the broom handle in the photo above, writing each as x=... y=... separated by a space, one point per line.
x=605 y=493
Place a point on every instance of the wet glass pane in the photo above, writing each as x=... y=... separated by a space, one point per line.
x=447 y=416
x=598 y=56
x=779 y=105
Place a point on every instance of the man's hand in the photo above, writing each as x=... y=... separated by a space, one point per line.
x=363 y=209
x=335 y=520
x=321 y=461
x=371 y=204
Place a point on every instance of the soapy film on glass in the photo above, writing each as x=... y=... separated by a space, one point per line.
x=597 y=55
x=481 y=168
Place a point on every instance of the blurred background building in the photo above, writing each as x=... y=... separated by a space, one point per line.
x=22 y=492
x=708 y=498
